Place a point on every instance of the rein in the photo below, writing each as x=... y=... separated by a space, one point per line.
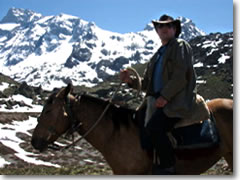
x=75 y=124
x=68 y=109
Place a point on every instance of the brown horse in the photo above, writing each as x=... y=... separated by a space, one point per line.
x=117 y=134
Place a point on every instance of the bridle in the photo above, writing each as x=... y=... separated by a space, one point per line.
x=76 y=124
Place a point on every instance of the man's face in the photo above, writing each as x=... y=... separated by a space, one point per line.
x=166 y=31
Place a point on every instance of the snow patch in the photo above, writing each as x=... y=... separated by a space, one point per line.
x=3 y=162
x=199 y=64
x=223 y=59
x=8 y=26
x=3 y=86
x=17 y=108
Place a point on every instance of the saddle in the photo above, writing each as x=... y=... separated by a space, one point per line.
x=196 y=136
x=197 y=131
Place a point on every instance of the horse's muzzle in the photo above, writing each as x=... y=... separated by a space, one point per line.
x=39 y=144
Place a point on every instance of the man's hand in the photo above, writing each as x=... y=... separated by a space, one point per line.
x=125 y=76
x=161 y=102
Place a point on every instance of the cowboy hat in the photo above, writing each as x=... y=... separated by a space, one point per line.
x=165 y=19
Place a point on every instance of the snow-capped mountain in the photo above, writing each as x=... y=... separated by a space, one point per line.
x=53 y=50
x=189 y=29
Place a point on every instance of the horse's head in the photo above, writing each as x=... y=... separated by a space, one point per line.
x=53 y=121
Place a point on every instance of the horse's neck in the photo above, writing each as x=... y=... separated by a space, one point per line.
x=88 y=112
x=111 y=142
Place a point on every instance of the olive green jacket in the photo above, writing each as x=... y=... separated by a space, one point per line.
x=179 y=79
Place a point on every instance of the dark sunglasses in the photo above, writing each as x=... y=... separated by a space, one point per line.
x=168 y=25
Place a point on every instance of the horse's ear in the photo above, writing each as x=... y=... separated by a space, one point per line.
x=65 y=91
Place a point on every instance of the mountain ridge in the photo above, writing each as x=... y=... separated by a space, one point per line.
x=53 y=50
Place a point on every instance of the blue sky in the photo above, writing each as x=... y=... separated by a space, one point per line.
x=132 y=15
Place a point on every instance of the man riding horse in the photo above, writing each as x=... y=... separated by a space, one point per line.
x=170 y=84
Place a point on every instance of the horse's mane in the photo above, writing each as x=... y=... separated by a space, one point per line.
x=120 y=115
